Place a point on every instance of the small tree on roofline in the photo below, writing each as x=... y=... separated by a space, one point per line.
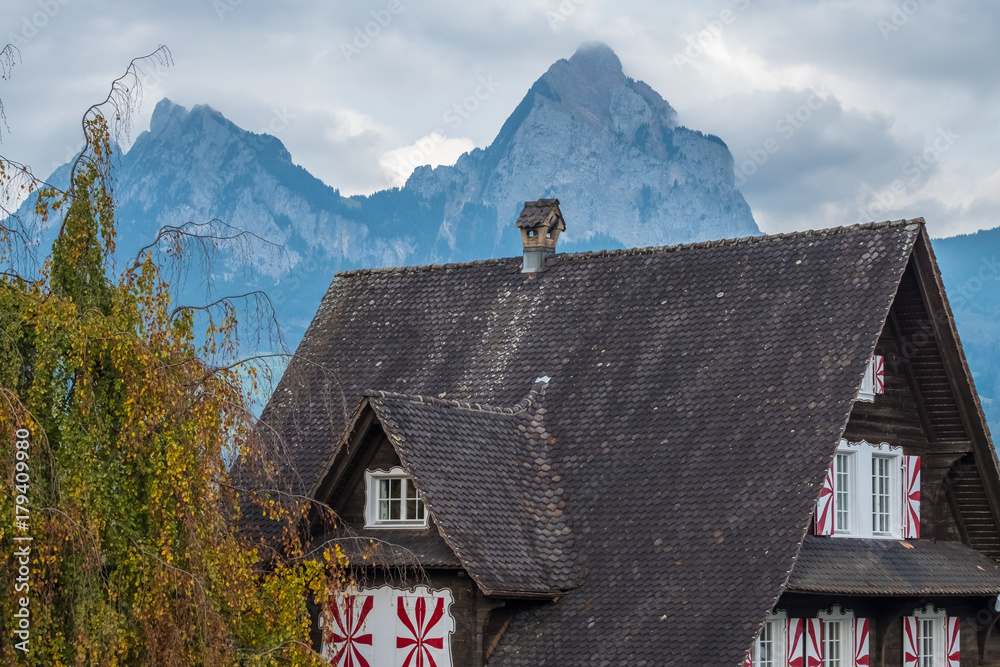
x=115 y=435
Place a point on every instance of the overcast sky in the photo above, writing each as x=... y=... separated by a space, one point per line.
x=835 y=111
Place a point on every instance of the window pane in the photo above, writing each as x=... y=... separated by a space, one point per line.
x=842 y=498
x=383 y=489
x=927 y=643
x=765 y=646
x=880 y=494
x=383 y=510
x=831 y=644
x=395 y=510
x=395 y=488
x=420 y=510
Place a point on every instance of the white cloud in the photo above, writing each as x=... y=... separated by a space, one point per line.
x=433 y=149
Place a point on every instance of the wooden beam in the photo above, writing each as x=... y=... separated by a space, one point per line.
x=912 y=379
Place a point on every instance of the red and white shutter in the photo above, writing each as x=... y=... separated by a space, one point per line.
x=861 y=630
x=911 y=641
x=814 y=642
x=824 y=506
x=794 y=641
x=420 y=631
x=877 y=370
x=911 y=497
x=749 y=661
x=953 y=640
x=348 y=635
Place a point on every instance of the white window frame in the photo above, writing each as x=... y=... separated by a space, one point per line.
x=778 y=623
x=372 y=520
x=867 y=391
x=861 y=510
x=936 y=618
x=845 y=620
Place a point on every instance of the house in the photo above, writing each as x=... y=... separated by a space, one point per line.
x=763 y=451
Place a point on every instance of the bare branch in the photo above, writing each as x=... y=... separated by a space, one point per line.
x=124 y=95
x=10 y=55
x=185 y=230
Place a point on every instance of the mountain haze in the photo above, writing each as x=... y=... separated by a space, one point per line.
x=610 y=148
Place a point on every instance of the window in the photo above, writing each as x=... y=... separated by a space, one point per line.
x=931 y=638
x=843 y=639
x=874 y=380
x=393 y=501
x=769 y=650
x=870 y=491
x=927 y=656
x=881 y=484
x=832 y=638
x=842 y=482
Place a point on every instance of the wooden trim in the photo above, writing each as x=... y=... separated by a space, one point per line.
x=911 y=378
x=326 y=484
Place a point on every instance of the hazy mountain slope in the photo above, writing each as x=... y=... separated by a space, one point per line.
x=970 y=265
x=607 y=146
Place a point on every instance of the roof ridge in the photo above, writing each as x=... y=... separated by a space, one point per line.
x=519 y=407
x=646 y=250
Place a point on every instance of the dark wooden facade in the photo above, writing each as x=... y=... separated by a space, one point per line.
x=922 y=411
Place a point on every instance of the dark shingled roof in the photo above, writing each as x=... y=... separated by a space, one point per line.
x=489 y=479
x=892 y=567
x=697 y=395
x=394 y=548
x=541 y=212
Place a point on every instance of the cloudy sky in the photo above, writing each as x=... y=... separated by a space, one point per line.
x=836 y=111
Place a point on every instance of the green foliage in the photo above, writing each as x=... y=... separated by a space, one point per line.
x=135 y=557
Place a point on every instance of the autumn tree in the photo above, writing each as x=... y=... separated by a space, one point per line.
x=117 y=419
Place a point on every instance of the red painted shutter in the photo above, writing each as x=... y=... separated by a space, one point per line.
x=793 y=640
x=824 y=506
x=749 y=661
x=878 y=375
x=953 y=640
x=911 y=497
x=860 y=642
x=349 y=641
x=814 y=642
x=911 y=641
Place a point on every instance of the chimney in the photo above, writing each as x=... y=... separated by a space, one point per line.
x=540 y=223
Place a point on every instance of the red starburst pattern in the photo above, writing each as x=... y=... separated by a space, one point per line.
x=349 y=636
x=878 y=375
x=419 y=627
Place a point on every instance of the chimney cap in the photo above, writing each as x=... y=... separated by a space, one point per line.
x=541 y=213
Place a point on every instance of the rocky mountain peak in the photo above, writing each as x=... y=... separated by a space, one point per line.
x=593 y=85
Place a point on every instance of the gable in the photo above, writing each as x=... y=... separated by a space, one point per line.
x=923 y=411
x=344 y=490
